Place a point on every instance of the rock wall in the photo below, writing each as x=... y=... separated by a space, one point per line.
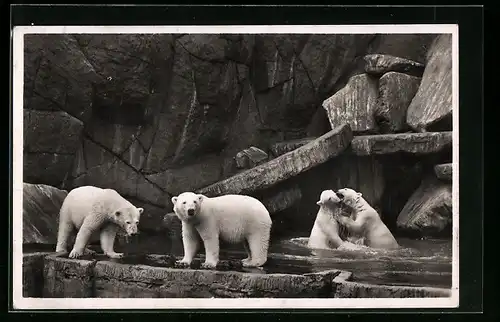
x=153 y=115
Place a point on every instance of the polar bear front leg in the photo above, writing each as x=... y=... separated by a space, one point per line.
x=211 y=242
x=107 y=236
x=190 y=243
x=89 y=225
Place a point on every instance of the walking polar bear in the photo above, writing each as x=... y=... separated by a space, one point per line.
x=91 y=209
x=367 y=221
x=327 y=232
x=232 y=218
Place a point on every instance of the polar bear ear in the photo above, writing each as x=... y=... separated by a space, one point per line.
x=200 y=197
x=360 y=194
x=319 y=202
x=174 y=200
x=118 y=213
x=140 y=210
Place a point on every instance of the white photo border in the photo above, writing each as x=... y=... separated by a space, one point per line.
x=22 y=303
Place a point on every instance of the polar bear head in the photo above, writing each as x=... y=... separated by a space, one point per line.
x=187 y=205
x=128 y=219
x=349 y=197
x=328 y=197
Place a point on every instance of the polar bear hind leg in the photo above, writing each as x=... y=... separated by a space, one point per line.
x=258 y=243
x=107 y=237
x=247 y=250
x=64 y=231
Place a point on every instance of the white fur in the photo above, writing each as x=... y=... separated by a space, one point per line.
x=232 y=218
x=325 y=231
x=89 y=209
x=367 y=221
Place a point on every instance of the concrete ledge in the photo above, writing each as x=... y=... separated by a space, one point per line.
x=64 y=277
x=33 y=264
x=155 y=276
x=343 y=287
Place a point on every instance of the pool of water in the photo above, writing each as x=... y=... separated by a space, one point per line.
x=416 y=263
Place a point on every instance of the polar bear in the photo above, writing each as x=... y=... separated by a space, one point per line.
x=327 y=232
x=367 y=221
x=232 y=218
x=90 y=209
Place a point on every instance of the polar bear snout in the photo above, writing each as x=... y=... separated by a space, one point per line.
x=131 y=229
x=190 y=212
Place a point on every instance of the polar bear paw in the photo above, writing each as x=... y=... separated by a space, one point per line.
x=208 y=265
x=182 y=263
x=75 y=253
x=115 y=255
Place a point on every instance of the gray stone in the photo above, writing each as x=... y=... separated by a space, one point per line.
x=46 y=168
x=433 y=102
x=33 y=264
x=68 y=278
x=280 y=148
x=250 y=157
x=285 y=166
x=396 y=91
x=428 y=212
x=282 y=200
x=354 y=104
x=345 y=288
x=444 y=171
x=377 y=64
x=41 y=205
x=190 y=177
x=51 y=132
x=414 y=143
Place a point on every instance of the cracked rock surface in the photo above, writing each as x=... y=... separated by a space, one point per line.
x=154 y=115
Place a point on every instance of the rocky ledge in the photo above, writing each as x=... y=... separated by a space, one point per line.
x=364 y=145
x=285 y=166
x=157 y=278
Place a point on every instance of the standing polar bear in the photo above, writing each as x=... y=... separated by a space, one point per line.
x=91 y=209
x=367 y=221
x=232 y=218
x=327 y=232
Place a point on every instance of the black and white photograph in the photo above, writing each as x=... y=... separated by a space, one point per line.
x=273 y=166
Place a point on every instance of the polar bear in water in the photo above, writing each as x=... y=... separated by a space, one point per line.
x=367 y=221
x=327 y=233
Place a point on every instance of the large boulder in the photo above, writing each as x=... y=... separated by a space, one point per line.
x=413 y=143
x=354 y=104
x=51 y=140
x=431 y=108
x=285 y=166
x=396 y=91
x=41 y=205
x=408 y=46
x=428 y=212
x=377 y=64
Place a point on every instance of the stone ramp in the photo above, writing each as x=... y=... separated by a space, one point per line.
x=364 y=145
x=285 y=166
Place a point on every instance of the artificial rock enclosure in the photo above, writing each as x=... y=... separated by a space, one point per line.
x=280 y=117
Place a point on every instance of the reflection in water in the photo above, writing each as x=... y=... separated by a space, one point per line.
x=416 y=263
